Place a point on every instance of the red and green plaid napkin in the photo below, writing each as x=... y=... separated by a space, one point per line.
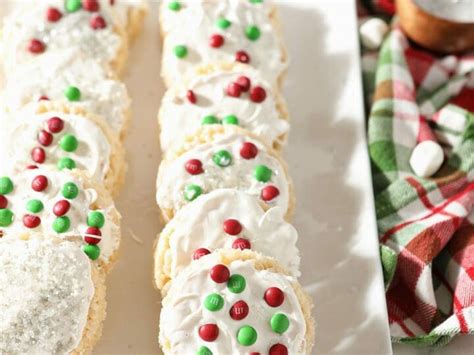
x=426 y=226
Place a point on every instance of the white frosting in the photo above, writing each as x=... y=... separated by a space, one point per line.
x=45 y=293
x=194 y=24
x=200 y=225
x=78 y=212
x=53 y=72
x=456 y=10
x=20 y=136
x=73 y=30
x=183 y=311
x=181 y=118
x=173 y=177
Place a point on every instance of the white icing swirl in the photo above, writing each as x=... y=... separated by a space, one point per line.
x=45 y=293
x=180 y=118
x=183 y=311
x=195 y=23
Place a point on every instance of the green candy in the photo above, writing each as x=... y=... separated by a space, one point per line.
x=72 y=93
x=252 y=33
x=231 y=119
x=70 y=190
x=92 y=251
x=34 y=206
x=236 y=283
x=247 y=335
x=256 y=1
x=174 y=6
x=73 y=5
x=210 y=120
x=181 y=51
x=66 y=163
x=95 y=219
x=222 y=158
x=6 y=185
x=69 y=143
x=61 y=224
x=223 y=23
x=191 y=192
x=6 y=217
x=279 y=323
x=262 y=173
x=204 y=350
x=214 y=302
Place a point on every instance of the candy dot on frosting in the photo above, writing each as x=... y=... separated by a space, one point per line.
x=199 y=253
x=232 y=226
x=73 y=5
x=3 y=202
x=233 y=90
x=95 y=219
x=210 y=119
x=36 y=46
x=43 y=97
x=53 y=14
x=61 y=208
x=34 y=206
x=231 y=119
x=61 y=224
x=6 y=217
x=248 y=150
x=219 y=273
x=38 y=155
x=32 y=167
x=269 y=193
x=274 y=297
x=204 y=350
x=192 y=192
x=92 y=251
x=247 y=335
x=258 y=94
x=174 y=6
x=279 y=323
x=30 y=221
x=214 y=302
x=97 y=22
x=191 y=96
x=39 y=183
x=55 y=125
x=256 y=1
x=241 y=243
x=244 y=83
x=262 y=173
x=180 y=51
x=216 y=41
x=278 y=349
x=72 y=93
x=69 y=143
x=252 y=33
x=239 y=310
x=90 y=5
x=208 y=332
x=194 y=167
x=66 y=163
x=70 y=190
x=45 y=138
x=223 y=23
x=242 y=57
x=236 y=283
x=92 y=235
x=6 y=185
x=222 y=158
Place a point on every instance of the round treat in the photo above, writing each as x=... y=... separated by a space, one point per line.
x=65 y=208
x=225 y=31
x=80 y=141
x=202 y=224
x=219 y=149
x=197 y=311
x=180 y=117
x=62 y=303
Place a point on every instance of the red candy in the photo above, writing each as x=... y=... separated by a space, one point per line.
x=278 y=349
x=45 y=138
x=36 y=46
x=194 y=167
x=38 y=155
x=244 y=83
x=242 y=57
x=32 y=167
x=241 y=243
x=239 y=310
x=55 y=124
x=3 y=202
x=191 y=97
x=274 y=297
x=258 y=94
x=97 y=22
x=216 y=41
x=43 y=97
x=233 y=90
x=92 y=235
x=232 y=226
x=248 y=150
x=220 y=274
x=199 y=253
x=31 y=221
x=61 y=208
x=254 y=353
x=269 y=193
x=39 y=183
x=53 y=14
x=90 y=5
x=209 y=332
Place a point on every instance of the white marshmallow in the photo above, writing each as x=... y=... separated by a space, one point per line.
x=372 y=33
x=426 y=158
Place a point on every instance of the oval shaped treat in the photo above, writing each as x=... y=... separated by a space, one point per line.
x=67 y=205
x=229 y=219
x=61 y=137
x=235 y=302
x=204 y=32
x=62 y=303
x=223 y=157
x=209 y=98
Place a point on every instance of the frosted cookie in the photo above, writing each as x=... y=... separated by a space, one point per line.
x=62 y=304
x=224 y=94
x=219 y=157
x=70 y=77
x=236 y=302
x=48 y=26
x=61 y=137
x=205 y=32
x=62 y=204
x=224 y=219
